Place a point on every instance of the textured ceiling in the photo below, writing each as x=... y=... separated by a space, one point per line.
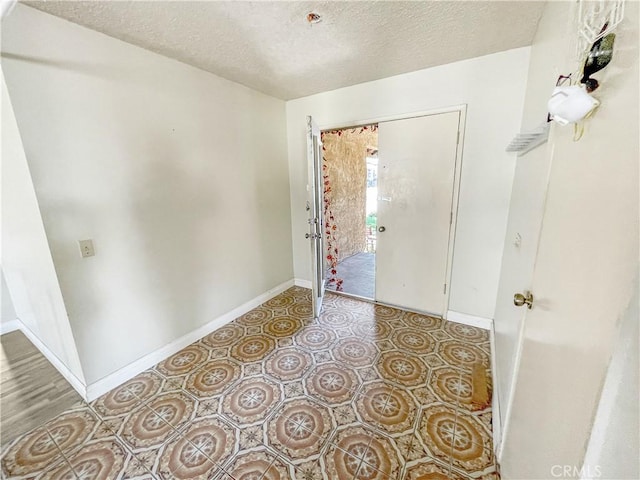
x=271 y=47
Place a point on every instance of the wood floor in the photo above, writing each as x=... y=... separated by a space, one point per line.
x=31 y=389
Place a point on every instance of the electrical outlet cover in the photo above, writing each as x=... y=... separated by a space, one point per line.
x=86 y=248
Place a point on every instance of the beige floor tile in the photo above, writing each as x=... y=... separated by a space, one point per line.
x=251 y=401
x=364 y=392
x=261 y=465
x=102 y=459
x=30 y=454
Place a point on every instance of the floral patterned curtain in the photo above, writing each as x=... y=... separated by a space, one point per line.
x=330 y=233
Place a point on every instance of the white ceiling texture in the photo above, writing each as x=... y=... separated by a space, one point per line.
x=271 y=47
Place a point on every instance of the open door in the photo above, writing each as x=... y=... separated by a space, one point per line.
x=518 y=262
x=315 y=207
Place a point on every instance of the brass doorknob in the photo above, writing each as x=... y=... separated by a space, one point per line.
x=527 y=299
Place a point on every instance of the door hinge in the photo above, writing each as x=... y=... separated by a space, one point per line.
x=445 y=289
x=450 y=218
x=458 y=138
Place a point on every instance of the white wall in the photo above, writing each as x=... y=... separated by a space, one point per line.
x=8 y=311
x=614 y=444
x=26 y=259
x=179 y=177
x=587 y=265
x=493 y=88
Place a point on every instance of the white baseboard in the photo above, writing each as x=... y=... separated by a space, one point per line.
x=74 y=381
x=471 y=320
x=111 y=381
x=298 y=282
x=10 y=326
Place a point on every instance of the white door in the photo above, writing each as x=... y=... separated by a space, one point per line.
x=518 y=260
x=416 y=172
x=315 y=206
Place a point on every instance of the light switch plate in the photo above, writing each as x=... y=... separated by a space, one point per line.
x=86 y=248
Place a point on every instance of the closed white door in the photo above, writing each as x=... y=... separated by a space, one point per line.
x=416 y=172
x=315 y=207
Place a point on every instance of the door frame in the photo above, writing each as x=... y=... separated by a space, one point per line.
x=462 y=120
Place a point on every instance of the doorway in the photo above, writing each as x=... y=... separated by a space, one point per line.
x=391 y=191
x=350 y=178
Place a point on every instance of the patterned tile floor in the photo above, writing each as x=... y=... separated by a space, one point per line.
x=365 y=392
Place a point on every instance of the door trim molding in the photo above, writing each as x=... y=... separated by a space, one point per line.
x=390 y=118
x=455 y=199
x=457 y=174
x=471 y=320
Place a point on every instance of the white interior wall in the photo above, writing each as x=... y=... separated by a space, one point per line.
x=178 y=176
x=8 y=311
x=614 y=443
x=587 y=264
x=26 y=259
x=493 y=88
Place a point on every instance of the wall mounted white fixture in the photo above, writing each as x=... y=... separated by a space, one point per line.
x=525 y=142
